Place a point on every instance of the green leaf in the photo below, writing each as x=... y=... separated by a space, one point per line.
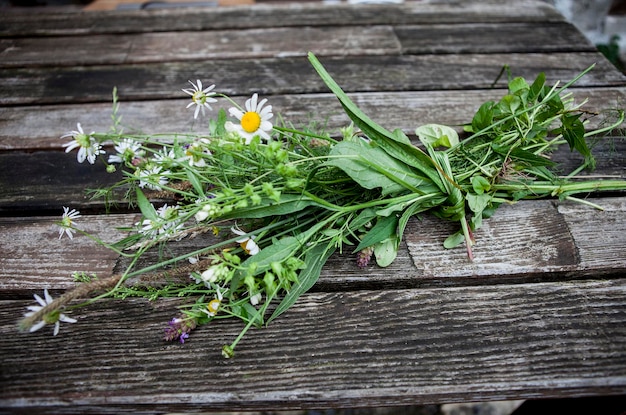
x=252 y=314
x=573 y=131
x=537 y=86
x=480 y=184
x=517 y=85
x=384 y=228
x=276 y=252
x=195 y=182
x=437 y=135
x=386 y=251
x=146 y=208
x=315 y=258
x=454 y=240
x=372 y=167
x=509 y=104
x=422 y=204
x=483 y=117
x=478 y=203
x=396 y=145
x=366 y=216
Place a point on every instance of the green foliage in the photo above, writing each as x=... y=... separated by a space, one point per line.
x=280 y=207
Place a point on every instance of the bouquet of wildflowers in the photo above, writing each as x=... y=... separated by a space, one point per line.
x=275 y=202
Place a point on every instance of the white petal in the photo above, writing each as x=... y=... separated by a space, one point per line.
x=47 y=295
x=67 y=319
x=40 y=300
x=37 y=326
x=251 y=103
x=236 y=112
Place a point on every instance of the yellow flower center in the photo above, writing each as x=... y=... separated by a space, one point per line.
x=213 y=306
x=251 y=121
x=199 y=97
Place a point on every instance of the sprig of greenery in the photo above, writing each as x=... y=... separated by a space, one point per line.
x=274 y=210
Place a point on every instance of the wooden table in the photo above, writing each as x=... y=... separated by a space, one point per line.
x=541 y=312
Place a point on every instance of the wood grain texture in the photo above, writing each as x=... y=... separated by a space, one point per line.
x=33 y=256
x=39 y=127
x=199 y=46
x=272 y=15
x=478 y=37
x=370 y=348
x=294 y=75
x=290 y=42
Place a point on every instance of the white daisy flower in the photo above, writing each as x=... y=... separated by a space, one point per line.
x=152 y=178
x=214 y=305
x=171 y=220
x=247 y=243
x=67 y=222
x=126 y=150
x=164 y=157
x=167 y=222
x=88 y=147
x=200 y=97
x=53 y=317
x=255 y=121
x=196 y=153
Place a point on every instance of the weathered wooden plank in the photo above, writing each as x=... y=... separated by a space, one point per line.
x=473 y=37
x=527 y=239
x=23 y=263
x=344 y=349
x=602 y=244
x=530 y=241
x=43 y=182
x=58 y=85
x=39 y=127
x=201 y=46
x=274 y=15
x=291 y=41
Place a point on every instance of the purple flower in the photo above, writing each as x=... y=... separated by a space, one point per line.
x=178 y=329
x=363 y=257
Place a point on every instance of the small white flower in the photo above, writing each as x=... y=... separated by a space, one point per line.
x=167 y=222
x=200 y=97
x=196 y=153
x=164 y=157
x=214 y=305
x=67 y=222
x=88 y=147
x=208 y=210
x=152 y=177
x=213 y=274
x=201 y=215
x=255 y=121
x=126 y=150
x=247 y=243
x=256 y=298
x=53 y=317
x=171 y=220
